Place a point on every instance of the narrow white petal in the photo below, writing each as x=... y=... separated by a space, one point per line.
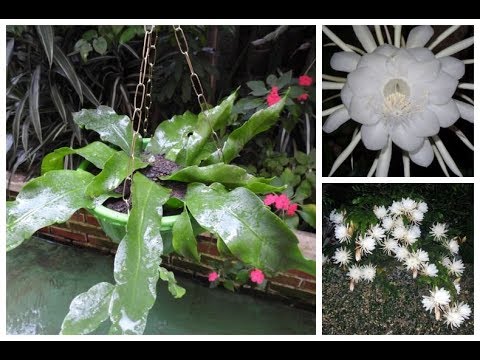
x=457 y=47
x=345 y=153
x=466 y=110
x=374 y=137
x=374 y=167
x=398 y=34
x=335 y=120
x=440 y=160
x=424 y=155
x=468 y=61
x=389 y=39
x=419 y=36
x=446 y=156
x=378 y=32
x=467 y=86
x=452 y=66
x=465 y=97
x=334 y=78
x=332 y=110
x=384 y=160
x=406 y=164
x=344 y=61
x=443 y=36
x=335 y=39
x=462 y=137
x=365 y=37
x=327 y=85
x=447 y=114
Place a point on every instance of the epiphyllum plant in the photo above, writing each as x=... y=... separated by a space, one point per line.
x=400 y=93
x=220 y=198
x=396 y=231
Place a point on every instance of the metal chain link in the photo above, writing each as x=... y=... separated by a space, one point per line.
x=195 y=80
x=143 y=91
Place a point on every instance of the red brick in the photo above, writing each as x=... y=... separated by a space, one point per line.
x=78 y=217
x=68 y=234
x=92 y=220
x=101 y=242
x=286 y=280
x=309 y=286
x=57 y=238
x=205 y=247
x=301 y=274
x=87 y=229
x=45 y=230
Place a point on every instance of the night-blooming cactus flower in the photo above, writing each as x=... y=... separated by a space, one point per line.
x=400 y=95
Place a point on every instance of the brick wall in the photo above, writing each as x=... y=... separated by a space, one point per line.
x=83 y=230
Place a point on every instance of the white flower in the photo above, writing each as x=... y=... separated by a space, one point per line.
x=342 y=233
x=457 y=287
x=324 y=259
x=380 y=211
x=342 y=256
x=422 y=206
x=422 y=255
x=412 y=262
x=411 y=236
x=401 y=253
x=399 y=222
x=366 y=244
x=430 y=270
x=388 y=223
x=398 y=94
x=376 y=232
x=415 y=229
x=390 y=246
x=464 y=310
x=336 y=218
x=438 y=231
x=453 y=317
x=456 y=268
x=453 y=246
x=408 y=205
x=355 y=273
x=369 y=272
x=396 y=208
x=417 y=216
x=399 y=232
x=446 y=262
x=438 y=298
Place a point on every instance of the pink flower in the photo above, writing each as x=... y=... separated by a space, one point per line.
x=213 y=276
x=291 y=209
x=305 y=80
x=270 y=199
x=302 y=97
x=282 y=202
x=257 y=276
x=273 y=96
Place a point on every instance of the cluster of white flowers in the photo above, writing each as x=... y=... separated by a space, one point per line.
x=397 y=233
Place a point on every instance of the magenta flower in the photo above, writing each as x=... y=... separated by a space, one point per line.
x=291 y=209
x=270 y=199
x=213 y=276
x=305 y=80
x=273 y=97
x=257 y=276
x=282 y=202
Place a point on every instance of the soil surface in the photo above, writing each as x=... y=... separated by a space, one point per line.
x=376 y=309
x=158 y=167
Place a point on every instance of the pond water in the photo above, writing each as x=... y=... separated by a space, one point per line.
x=43 y=277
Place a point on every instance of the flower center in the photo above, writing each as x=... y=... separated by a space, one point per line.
x=396 y=99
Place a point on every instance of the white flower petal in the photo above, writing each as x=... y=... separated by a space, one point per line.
x=346 y=95
x=422 y=54
x=375 y=136
x=405 y=140
x=427 y=71
x=447 y=114
x=424 y=124
x=335 y=120
x=365 y=37
x=397 y=66
x=345 y=61
x=466 y=110
x=362 y=112
x=442 y=88
x=424 y=155
x=419 y=36
x=386 y=49
x=362 y=82
x=453 y=67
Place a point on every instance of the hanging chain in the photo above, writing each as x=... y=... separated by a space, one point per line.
x=195 y=80
x=142 y=101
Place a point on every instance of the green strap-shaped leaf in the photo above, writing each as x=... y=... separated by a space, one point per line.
x=88 y=310
x=97 y=153
x=64 y=63
x=116 y=129
x=176 y=291
x=172 y=135
x=138 y=258
x=259 y=122
x=115 y=170
x=49 y=199
x=184 y=241
x=229 y=175
x=209 y=120
x=47 y=37
x=248 y=228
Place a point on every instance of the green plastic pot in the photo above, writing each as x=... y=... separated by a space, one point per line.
x=113 y=222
